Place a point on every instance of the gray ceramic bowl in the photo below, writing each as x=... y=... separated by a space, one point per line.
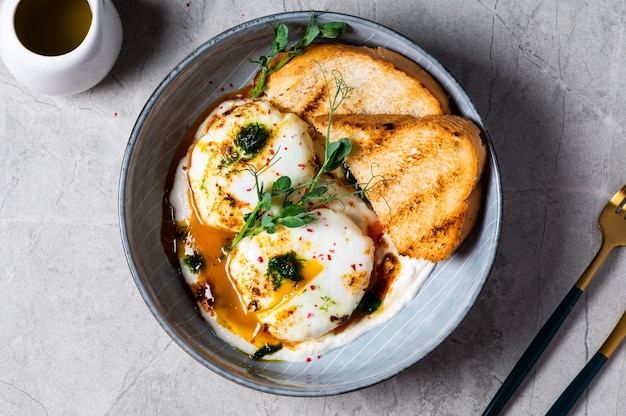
x=222 y=65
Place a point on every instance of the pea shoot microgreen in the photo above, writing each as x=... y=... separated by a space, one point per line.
x=314 y=30
x=298 y=201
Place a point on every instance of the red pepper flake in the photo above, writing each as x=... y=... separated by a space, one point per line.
x=272 y=151
x=310 y=315
x=260 y=259
x=308 y=359
x=188 y=4
x=309 y=230
x=353 y=266
x=301 y=165
x=312 y=287
x=184 y=167
x=222 y=89
x=210 y=82
x=331 y=250
x=286 y=148
x=115 y=114
x=329 y=257
x=291 y=312
x=230 y=84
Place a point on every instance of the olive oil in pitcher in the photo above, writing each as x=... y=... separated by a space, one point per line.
x=52 y=27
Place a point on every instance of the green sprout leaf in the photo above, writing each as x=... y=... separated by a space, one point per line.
x=314 y=30
x=281 y=37
x=336 y=152
x=293 y=222
x=266 y=201
x=290 y=210
x=281 y=186
x=316 y=194
x=333 y=30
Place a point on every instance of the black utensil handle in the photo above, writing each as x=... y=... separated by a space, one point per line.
x=533 y=352
x=571 y=394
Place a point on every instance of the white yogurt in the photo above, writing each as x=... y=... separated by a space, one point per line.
x=299 y=318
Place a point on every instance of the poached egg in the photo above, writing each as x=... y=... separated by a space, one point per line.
x=334 y=261
x=245 y=147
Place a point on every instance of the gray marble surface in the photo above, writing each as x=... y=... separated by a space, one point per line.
x=548 y=77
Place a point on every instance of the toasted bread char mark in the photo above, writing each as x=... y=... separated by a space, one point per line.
x=383 y=82
x=430 y=165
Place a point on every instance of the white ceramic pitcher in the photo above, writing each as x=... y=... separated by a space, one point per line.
x=47 y=64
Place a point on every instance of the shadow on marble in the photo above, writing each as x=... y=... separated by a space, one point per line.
x=144 y=25
x=531 y=253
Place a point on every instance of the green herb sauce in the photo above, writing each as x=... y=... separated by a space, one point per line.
x=194 y=262
x=265 y=350
x=284 y=267
x=252 y=138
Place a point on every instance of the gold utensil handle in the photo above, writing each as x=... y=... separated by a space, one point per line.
x=584 y=279
x=616 y=337
x=572 y=393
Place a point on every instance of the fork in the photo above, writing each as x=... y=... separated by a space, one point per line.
x=612 y=224
x=570 y=395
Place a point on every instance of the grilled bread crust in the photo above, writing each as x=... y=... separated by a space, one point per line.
x=383 y=82
x=425 y=170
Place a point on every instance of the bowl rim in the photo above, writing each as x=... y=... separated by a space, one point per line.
x=128 y=153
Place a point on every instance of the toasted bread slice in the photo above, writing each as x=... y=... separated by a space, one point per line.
x=382 y=82
x=425 y=172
